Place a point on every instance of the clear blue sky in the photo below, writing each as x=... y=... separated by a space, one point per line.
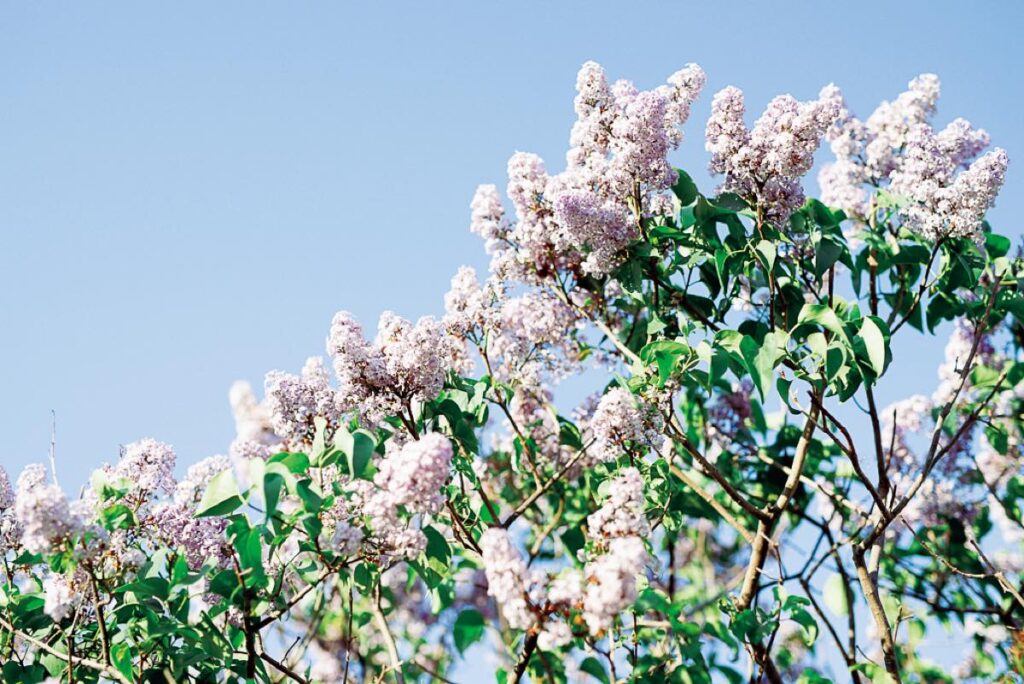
x=189 y=192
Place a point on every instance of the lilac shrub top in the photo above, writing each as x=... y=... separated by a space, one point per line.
x=731 y=504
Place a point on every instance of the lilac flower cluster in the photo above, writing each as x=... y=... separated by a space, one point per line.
x=527 y=599
x=617 y=171
x=620 y=526
x=410 y=478
x=621 y=422
x=10 y=530
x=294 y=401
x=202 y=539
x=472 y=308
x=148 y=467
x=405 y=363
x=42 y=511
x=622 y=513
x=765 y=164
x=534 y=337
x=60 y=597
x=508 y=578
x=941 y=202
x=728 y=414
x=896 y=148
x=189 y=491
x=253 y=422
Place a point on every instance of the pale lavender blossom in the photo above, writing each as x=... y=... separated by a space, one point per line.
x=407 y=362
x=470 y=308
x=202 y=539
x=6 y=491
x=488 y=217
x=618 y=172
x=410 y=478
x=507 y=577
x=295 y=401
x=765 y=164
x=683 y=88
x=896 y=149
x=59 y=598
x=148 y=467
x=889 y=125
x=414 y=475
x=611 y=582
x=622 y=513
x=534 y=338
x=621 y=422
x=42 y=511
x=603 y=228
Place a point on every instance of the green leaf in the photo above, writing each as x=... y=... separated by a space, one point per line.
x=807 y=621
x=593 y=667
x=222 y=495
x=827 y=253
x=312 y=500
x=296 y=463
x=766 y=248
x=820 y=314
x=665 y=354
x=358 y=448
x=121 y=657
x=685 y=189
x=835 y=594
x=875 y=343
x=761 y=358
x=437 y=546
x=468 y=629
x=997 y=245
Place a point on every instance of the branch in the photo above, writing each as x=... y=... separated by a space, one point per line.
x=389 y=641
x=108 y=671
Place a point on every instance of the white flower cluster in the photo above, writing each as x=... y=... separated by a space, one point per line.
x=405 y=363
x=410 y=478
x=148 y=468
x=508 y=578
x=896 y=148
x=622 y=513
x=765 y=164
x=617 y=170
x=60 y=597
x=294 y=401
x=621 y=422
x=42 y=511
x=529 y=600
x=253 y=422
x=10 y=531
x=621 y=527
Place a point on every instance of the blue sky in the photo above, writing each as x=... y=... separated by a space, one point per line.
x=189 y=192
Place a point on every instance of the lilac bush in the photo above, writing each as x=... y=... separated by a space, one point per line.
x=732 y=503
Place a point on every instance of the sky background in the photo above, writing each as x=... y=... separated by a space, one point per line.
x=189 y=192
